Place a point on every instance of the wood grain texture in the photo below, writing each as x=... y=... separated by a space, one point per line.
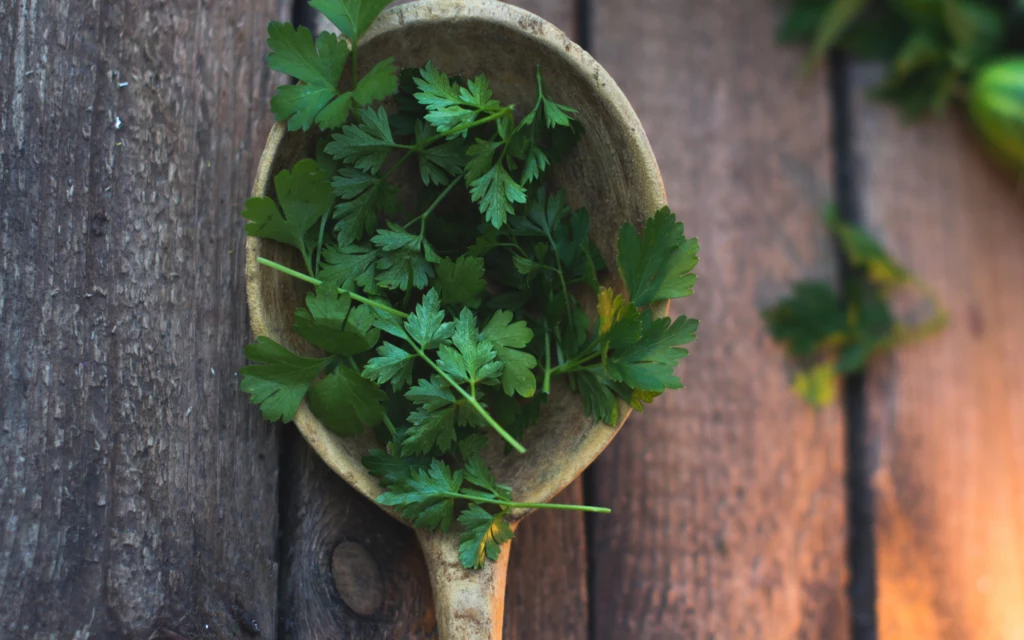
x=728 y=496
x=946 y=416
x=138 y=490
x=546 y=597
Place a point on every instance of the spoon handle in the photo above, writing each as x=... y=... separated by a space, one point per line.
x=469 y=604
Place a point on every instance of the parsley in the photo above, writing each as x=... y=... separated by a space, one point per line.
x=447 y=276
x=832 y=333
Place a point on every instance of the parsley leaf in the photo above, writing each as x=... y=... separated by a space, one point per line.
x=433 y=423
x=482 y=536
x=345 y=402
x=477 y=473
x=439 y=163
x=305 y=197
x=426 y=326
x=508 y=338
x=333 y=325
x=390 y=467
x=462 y=281
x=351 y=265
x=497 y=193
x=281 y=381
x=449 y=105
x=650 y=363
x=472 y=360
x=427 y=498
x=318 y=65
x=656 y=264
x=352 y=17
x=364 y=146
x=392 y=364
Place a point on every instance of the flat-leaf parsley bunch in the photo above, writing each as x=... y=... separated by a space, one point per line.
x=446 y=277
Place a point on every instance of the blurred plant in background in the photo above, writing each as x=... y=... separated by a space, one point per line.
x=832 y=333
x=937 y=51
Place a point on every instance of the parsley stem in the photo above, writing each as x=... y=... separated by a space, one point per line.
x=390 y=425
x=472 y=401
x=462 y=127
x=547 y=361
x=433 y=205
x=315 y=282
x=528 y=505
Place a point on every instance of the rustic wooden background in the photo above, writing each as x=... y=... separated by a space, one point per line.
x=142 y=497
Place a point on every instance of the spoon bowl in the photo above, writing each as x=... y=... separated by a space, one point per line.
x=612 y=172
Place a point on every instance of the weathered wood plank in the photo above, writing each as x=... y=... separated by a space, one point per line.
x=946 y=416
x=138 y=489
x=546 y=597
x=728 y=497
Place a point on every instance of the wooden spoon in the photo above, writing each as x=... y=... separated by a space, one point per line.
x=613 y=173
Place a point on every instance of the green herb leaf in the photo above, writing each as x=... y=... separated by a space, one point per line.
x=497 y=193
x=345 y=402
x=317 y=65
x=472 y=360
x=391 y=468
x=282 y=379
x=650 y=363
x=351 y=265
x=439 y=163
x=379 y=83
x=365 y=146
x=427 y=499
x=656 y=264
x=426 y=326
x=392 y=364
x=482 y=536
x=508 y=338
x=331 y=324
x=462 y=281
x=305 y=197
x=449 y=105
x=352 y=17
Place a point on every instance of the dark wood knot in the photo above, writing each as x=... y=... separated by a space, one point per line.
x=357 y=578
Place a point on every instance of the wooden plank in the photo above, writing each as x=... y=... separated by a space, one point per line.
x=727 y=497
x=138 y=490
x=546 y=597
x=946 y=416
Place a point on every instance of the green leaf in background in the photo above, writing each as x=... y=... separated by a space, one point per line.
x=839 y=16
x=924 y=13
x=811 y=316
x=976 y=28
x=802 y=20
x=345 y=402
x=817 y=385
x=864 y=252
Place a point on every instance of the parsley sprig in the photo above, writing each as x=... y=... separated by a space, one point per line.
x=447 y=274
